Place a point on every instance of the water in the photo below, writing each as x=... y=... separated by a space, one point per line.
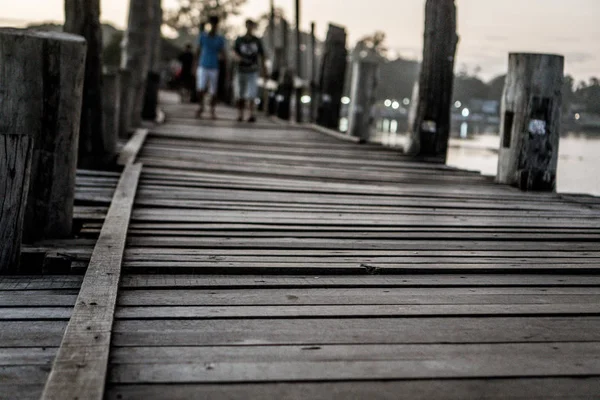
x=578 y=164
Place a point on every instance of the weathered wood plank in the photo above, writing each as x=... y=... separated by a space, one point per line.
x=80 y=366
x=129 y=153
x=307 y=331
x=471 y=281
x=495 y=389
x=365 y=362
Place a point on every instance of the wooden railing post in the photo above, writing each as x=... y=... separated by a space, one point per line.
x=82 y=17
x=15 y=166
x=431 y=124
x=112 y=110
x=125 y=110
x=365 y=76
x=137 y=54
x=45 y=103
x=332 y=80
x=530 y=128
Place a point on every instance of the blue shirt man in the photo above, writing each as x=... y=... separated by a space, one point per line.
x=211 y=48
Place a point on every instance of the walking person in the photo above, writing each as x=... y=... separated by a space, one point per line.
x=211 y=49
x=250 y=55
x=186 y=75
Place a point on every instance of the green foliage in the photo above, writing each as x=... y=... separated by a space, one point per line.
x=189 y=15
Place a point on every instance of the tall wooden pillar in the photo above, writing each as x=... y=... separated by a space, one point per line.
x=313 y=71
x=365 y=77
x=137 y=53
x=431 y=128
x=82 y=17
x=530 y=129
x=112 y=109
x=42 y=79
x=125 y=109
x=333 y=74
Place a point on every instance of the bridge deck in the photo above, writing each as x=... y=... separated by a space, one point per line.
x=278 y=262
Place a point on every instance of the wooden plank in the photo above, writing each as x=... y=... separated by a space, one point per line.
x=358 y=296
x=27 y=356
x=363 y=362
x=80 y=366
x=471 y=281
x=39 y=283
x=31 y=333
x=310 y=311
x=494 y=389
x=129 y=153
x=309 y=331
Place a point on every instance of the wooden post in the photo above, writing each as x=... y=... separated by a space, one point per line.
x=530 y=127
x=333 y=76
x=365 y=76
x=431 y=128
x=82 y=17
x=313 y=72
x=298 y=63
x=15 y=166
x=44 y=103
x=112 y=109
x=137 y=54
x=125 y=109
x=153 y=80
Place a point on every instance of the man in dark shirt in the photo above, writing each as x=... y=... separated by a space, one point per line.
x=250 y=56
x=186 y=76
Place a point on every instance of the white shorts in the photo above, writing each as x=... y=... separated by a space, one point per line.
x=246 y=86
x=207 y=80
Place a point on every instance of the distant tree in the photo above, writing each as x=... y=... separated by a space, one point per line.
x=372 y=46
x=496 y=88
x=187 y=17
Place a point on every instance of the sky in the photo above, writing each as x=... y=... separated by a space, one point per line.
x=489 y=29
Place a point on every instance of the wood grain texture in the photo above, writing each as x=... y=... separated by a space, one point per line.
x=129 y=153
x=15 y=168
x=45 y=73
x=79 y=370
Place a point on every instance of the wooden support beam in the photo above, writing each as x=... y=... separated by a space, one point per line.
x=430 y=130
x=111 y=108
x=333 y=74
x=15 y=165
x=132 y=148
x=365 y=77
x=80 y=367
x=530 y=126
x=137 y=54
x=82 y=17
x=125 y=109
x=42 y=74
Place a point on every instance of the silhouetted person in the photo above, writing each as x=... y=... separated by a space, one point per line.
x=186 y=76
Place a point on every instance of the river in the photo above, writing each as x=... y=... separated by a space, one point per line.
x=578 y=164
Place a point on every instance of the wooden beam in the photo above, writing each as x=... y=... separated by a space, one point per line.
x=132 y=148
x=82 y=17
x=79 y=370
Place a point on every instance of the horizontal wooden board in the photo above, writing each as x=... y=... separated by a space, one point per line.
x=496 y=389
x=355 y=331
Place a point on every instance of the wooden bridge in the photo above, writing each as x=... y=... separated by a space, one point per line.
x=278 y=262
